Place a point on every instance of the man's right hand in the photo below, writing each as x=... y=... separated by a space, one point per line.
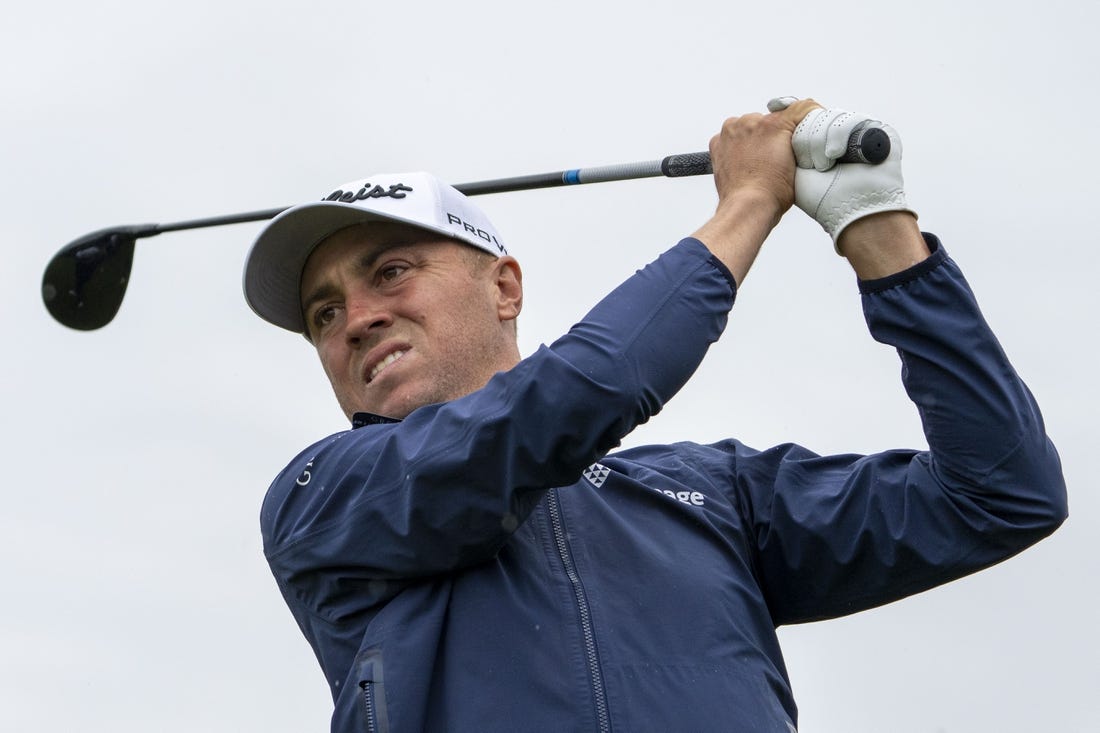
x=754 y=173
x=753 y=154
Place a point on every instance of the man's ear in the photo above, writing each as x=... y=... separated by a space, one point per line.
x=509 y=284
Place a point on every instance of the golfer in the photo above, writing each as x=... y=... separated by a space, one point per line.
x=471 y=556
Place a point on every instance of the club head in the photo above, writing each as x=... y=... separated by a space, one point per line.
x=85 y=282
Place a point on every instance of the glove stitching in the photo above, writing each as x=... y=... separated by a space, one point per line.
x=825 y=196
x=871 y=202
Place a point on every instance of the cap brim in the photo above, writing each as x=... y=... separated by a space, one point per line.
x=273 y=268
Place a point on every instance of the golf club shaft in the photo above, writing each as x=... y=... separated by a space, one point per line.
x=214 y=221
x=85 y=282
x=866 y=145
x=672 y=166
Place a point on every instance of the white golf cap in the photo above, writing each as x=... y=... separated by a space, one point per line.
x=273 y=270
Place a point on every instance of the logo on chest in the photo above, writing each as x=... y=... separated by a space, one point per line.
x=597 y=474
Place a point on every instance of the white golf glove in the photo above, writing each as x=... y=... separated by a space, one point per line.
x=836 y=195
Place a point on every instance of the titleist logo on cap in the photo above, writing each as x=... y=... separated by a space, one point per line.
x=396 y=191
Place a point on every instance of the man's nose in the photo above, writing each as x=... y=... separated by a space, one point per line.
x=365 y=317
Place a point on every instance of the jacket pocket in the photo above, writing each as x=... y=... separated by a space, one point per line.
x=372 y=695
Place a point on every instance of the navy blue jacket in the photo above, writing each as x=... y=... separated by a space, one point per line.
x=486 y=565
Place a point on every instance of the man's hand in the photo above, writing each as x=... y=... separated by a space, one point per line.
x=861 y=206
x=754 y=172
x=837 y=195
x=752 y=155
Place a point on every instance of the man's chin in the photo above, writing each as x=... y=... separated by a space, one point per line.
x=395 y=406
x=399 y=403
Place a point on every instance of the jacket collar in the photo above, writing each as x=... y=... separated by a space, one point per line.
x=361 y=419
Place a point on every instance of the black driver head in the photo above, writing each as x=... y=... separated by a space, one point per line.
x=85 y=282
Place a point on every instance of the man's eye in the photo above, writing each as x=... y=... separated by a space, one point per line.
x=324 y=315
x=391 y=272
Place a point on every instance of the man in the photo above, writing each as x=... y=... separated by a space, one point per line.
x=470 y=557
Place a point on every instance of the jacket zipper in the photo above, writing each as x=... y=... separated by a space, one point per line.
x=373 y=697
x=368 y=705
x=596 y=677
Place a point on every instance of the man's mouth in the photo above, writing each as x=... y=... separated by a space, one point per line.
x=380 y=366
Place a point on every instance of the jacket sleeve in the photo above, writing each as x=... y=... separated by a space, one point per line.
x=447 y=486
x=839 y=534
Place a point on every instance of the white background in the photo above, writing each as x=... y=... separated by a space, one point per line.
x=135 y=596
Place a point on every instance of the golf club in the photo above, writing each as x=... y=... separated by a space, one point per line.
x=85 y=282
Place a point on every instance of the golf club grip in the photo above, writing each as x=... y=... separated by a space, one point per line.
x=866 y=144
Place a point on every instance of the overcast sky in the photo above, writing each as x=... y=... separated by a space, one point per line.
x=135 y=594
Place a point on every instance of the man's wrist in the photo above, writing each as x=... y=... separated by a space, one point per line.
x=883 y=244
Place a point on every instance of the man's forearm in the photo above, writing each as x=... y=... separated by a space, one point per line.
x=737 y=231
